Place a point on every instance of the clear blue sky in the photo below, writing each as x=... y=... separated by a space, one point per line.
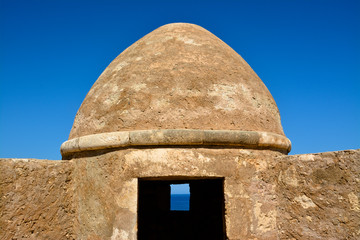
x=52 y=51
x=180 y=188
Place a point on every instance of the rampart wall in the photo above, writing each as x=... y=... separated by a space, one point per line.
x=36 y=199
x=317 y=197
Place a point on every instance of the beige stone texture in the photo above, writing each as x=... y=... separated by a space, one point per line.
x=107 y=187
x=180 y=76
x=176 y=137
x=267 y=195
x=318 y=195
x=36 y=199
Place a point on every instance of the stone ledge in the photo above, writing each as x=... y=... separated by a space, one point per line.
x=177 y=137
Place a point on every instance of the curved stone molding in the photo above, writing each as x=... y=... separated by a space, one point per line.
x=177 y=137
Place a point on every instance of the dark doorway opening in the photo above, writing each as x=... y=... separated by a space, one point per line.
x=203 y=220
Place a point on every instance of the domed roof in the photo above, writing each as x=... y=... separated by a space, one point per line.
x=180 y=76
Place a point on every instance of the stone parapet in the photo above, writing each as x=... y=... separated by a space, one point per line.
x=36 y=199
x=318 y=195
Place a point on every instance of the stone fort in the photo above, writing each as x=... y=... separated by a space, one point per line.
x=180 y=106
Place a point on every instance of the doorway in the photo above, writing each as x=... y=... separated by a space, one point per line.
x=202 y=219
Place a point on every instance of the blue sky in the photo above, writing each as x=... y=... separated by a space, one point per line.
x=51 y=52
x=180 y=188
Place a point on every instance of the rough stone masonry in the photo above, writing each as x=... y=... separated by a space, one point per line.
x=180 y=106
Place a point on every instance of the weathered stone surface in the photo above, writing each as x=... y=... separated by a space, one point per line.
x=267 y=195
x=176 y=137
x=36 y=199
x=179 y=76
x=318 y=196
x=107 y=188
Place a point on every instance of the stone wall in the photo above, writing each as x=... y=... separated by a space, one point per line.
x=318 y=196
x=267 y=195
x=36 y=199
x=107 y=188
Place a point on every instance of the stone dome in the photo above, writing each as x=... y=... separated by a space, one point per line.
x=180 y=76
x=178 y=86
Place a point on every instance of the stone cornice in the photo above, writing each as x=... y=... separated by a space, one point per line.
x=177 y=137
